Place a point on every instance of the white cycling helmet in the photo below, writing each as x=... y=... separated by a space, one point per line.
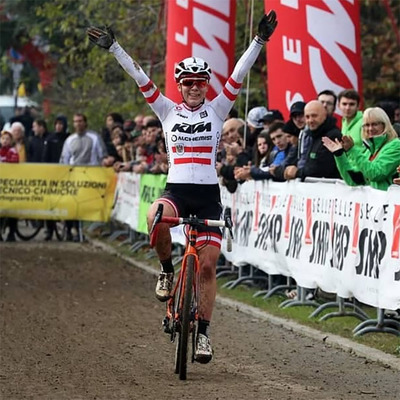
x=192 y=66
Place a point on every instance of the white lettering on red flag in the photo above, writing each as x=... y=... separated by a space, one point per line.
x=205 y=29
x=316 y=46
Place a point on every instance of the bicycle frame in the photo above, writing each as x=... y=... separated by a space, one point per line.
x=179 y=288
x=182 y=307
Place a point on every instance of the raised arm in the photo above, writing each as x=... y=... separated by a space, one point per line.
x=266 y=28
x=224 y=101
x=105 y=38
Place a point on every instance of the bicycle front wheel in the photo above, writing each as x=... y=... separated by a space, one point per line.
x=185 y=318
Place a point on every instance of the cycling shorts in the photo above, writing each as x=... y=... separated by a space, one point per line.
x=203 y=201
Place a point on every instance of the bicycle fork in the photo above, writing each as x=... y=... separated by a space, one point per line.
x=171 y=321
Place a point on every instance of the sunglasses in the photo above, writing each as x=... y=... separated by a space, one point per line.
x=200 y=83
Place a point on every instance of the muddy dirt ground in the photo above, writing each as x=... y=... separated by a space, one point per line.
x=78 y=324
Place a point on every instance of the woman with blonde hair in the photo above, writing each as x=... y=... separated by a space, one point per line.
x=374 y=163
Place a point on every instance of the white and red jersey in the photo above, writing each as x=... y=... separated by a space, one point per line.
x=192 y=134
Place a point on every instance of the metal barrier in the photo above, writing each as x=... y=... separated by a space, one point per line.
x=242 y=277
x=277 y=289
x=341 y=304
x=378 y=325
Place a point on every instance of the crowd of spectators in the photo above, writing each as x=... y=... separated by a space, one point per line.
x=362 y=148
x=266 y=146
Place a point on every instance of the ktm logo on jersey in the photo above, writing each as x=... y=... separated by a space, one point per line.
x=196 y=128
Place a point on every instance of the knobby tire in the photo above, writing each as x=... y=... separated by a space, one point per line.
x=177 y=326
x=186 y=311
x=177 y=354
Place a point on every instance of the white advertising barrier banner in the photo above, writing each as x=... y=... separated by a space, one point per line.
x=257 y=220
x=344 y=240
x=127 y=199
x=390 y=292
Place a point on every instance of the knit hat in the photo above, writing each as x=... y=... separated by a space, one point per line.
x=255 y=116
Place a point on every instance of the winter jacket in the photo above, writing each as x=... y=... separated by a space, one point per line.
x=291 y=159
x=320 y=162
x=277 y=157
x=8 y=154
x=36 y=146
x=53 y=147
x=374 y=164
x=354 y=128
x=303 y=147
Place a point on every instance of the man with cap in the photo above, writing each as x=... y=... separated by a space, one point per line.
x=255 y=116
x=270 y=117
x=297 y=114
x=255 y=123
x=297 y=123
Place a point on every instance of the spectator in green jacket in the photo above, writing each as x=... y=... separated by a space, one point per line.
x=375 y=163
x=348 y=103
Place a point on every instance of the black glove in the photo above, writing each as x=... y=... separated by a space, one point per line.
x=102 y=37
x=267 y=25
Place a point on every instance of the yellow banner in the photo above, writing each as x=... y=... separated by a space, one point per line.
x=53 y=191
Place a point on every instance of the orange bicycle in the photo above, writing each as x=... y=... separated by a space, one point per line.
x=182 y=308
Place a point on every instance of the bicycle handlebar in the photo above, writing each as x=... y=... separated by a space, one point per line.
x=193 y=220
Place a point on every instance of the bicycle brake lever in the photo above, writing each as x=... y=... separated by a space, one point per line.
x=228 y=218
x=157 y=219
x=229 y=225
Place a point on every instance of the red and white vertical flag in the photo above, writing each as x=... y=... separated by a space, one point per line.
x=315 y=47
x=205 y=29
